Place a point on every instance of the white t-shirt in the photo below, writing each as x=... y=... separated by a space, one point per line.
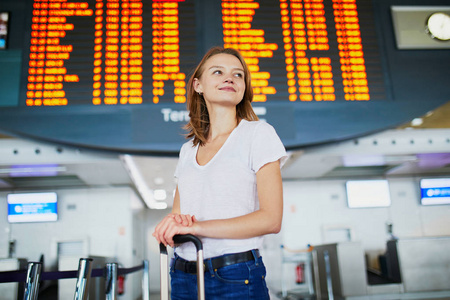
x=226 y=186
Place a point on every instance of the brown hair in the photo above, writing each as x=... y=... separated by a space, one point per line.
x=198 y=126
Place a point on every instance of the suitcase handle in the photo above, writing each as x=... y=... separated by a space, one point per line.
x=184 y=238
x=181 y=239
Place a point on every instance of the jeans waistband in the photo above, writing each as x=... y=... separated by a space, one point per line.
x=216 y=262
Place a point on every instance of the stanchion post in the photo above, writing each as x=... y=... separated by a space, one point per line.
x=111 y=281
x=146 y=281
x=316 y=274
x=32 y=283
x=326 y=257
x=83 y=280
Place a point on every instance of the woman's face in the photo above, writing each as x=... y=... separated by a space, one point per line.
x=222 y=81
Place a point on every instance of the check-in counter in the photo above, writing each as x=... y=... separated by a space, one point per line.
x=424 y=263
x=421 y=266
x=12 y=290
x=340 y=270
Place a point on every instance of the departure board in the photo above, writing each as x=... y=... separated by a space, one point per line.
x=112 y=74
x=130 y=52
x=109 y=52
x=315 y=51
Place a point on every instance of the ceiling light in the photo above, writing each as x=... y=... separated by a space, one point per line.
x=417 y=122
x=363 y=160
x=159 y=181
x=33 y=170
x=160 y=195
x=144 y=191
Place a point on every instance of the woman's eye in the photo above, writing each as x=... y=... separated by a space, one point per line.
x=240 y=75
x=217 y=72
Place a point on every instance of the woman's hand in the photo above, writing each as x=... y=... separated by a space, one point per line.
x=171 y=225
x=185 y=220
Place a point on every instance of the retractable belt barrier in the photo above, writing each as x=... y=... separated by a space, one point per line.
x=33 y=275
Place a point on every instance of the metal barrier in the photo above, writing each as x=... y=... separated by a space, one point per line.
x=84 y=278
x=111 y=281
x=34 y=275
x=32 y=283
x=146 y=281
x=326 y=258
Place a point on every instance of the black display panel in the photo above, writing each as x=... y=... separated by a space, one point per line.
x=112 y=74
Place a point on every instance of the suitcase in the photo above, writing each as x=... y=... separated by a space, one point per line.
x=164 y=269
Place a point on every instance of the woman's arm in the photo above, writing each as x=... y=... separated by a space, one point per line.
x=173 y=222
x=176 y=202
x=263 y=221
x=266 y=220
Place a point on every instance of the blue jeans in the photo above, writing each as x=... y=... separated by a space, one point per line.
x=239 y=282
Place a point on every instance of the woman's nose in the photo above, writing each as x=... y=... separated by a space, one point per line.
x=228 y=79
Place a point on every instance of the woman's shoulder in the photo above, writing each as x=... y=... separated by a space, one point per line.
x=256 y=125
x=187 y=146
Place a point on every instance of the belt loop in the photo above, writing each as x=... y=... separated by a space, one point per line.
x=207 y=263
x=255 y=253
x=173 y=260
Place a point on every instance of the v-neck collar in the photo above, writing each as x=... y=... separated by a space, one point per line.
x=219 y=151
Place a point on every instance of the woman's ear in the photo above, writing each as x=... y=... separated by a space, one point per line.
x=197 y=86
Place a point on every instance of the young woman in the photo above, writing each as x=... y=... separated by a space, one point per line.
x=229 y=190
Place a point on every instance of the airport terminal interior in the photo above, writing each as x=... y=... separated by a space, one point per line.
x=92 y=108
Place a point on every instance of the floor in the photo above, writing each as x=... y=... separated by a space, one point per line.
x=51 y=293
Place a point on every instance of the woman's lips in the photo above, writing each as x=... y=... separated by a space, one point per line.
x=228 y=88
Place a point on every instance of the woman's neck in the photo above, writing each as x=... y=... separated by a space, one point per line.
x=222 y=122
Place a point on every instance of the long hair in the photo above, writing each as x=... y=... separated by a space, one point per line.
x=198 y=126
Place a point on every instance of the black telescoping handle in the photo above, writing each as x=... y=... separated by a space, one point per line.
x=184 y=238
x=181 y=239
x=162 y=248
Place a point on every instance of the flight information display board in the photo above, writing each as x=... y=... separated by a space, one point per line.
x=109 y=52
x=112 y=74
x=129 y=52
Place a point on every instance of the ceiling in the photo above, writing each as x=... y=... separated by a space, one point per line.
x=419 y=148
